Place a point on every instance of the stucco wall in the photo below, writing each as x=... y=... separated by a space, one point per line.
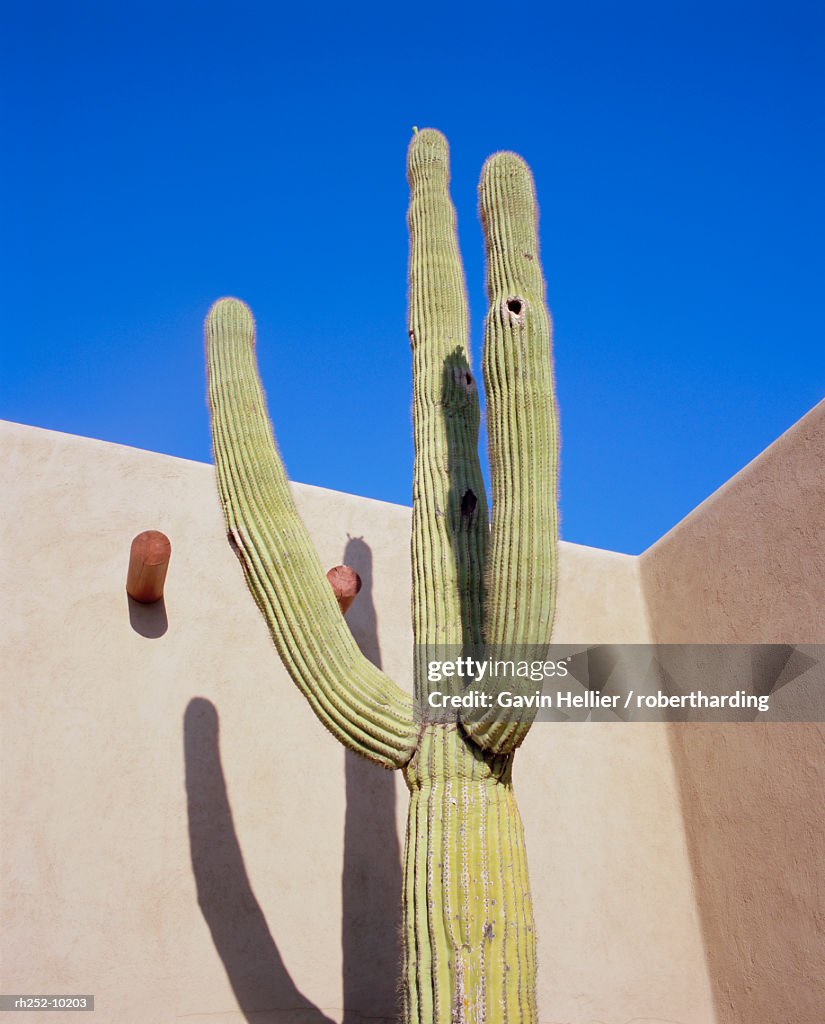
x=183 y=839
x=748 y=566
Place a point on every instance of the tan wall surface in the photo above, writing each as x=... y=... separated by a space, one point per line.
x=181 y=838
x=748 y=566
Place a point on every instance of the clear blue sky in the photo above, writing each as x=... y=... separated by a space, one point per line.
x=160 y=155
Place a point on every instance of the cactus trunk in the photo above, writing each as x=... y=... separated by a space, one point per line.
x=468 y=921
x=469 y=933
x=469 y=938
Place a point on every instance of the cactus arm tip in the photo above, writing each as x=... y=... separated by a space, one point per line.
x=507 y=160
x=237 y=310
x=428 y=150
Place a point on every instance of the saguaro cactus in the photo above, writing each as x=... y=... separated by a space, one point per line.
x=469 y=937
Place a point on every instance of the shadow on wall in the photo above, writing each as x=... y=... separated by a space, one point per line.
x=149 y=620
x=747 y=567
x=239 y=930
x=751 y=799
x=371 y=876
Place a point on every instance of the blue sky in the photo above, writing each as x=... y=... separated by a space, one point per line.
x=161 y=155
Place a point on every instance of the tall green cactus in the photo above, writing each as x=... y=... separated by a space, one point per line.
x=469 y=937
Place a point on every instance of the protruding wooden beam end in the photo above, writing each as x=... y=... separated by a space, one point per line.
x=148 y=562
x=345 y=583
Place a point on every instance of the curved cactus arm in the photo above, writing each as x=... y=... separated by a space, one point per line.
x=359 y=705
x=449 y=534
x=523 y=432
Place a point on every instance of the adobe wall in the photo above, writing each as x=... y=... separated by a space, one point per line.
x=181 y=837
x=748 y=566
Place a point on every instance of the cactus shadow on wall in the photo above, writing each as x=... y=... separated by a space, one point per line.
x=239 y=930
x=371 y=875
x=370 y=881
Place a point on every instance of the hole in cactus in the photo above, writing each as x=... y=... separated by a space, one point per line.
x=512 y=309
x=464 y=379
x=468 y=504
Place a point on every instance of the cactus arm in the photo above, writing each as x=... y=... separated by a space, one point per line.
x=523 y=431
x=449 y=503
x=359 y=705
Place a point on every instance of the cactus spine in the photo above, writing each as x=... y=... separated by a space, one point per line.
x=468 y=925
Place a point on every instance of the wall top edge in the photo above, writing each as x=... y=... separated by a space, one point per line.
x=10 y=427
x=60 y=438
x=785 y=439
